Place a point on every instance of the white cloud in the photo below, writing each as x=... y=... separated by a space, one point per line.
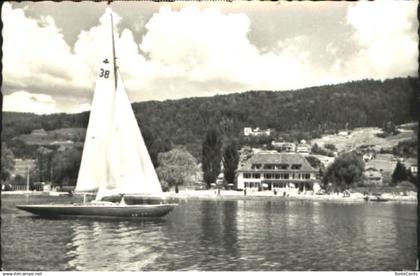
x=386 y=34
x=23 y=101
x=206 y=45
x=34 y=52
x=200 y=52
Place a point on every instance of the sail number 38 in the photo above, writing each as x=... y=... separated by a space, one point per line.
x=104 y=73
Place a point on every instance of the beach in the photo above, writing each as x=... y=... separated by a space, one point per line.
x=239 y=195
x=411 y=197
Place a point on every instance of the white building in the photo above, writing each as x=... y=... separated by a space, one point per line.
x=303 y=148
x=284 y=146
x=276 y=170
x=256 y=132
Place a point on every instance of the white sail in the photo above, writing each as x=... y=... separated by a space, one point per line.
x=93 y=170
x=115 y=159
x=130 y=168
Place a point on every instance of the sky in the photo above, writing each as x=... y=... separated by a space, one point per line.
x=197 y=49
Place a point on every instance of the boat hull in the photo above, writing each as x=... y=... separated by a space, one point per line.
x=92 y=210
x=375 y=199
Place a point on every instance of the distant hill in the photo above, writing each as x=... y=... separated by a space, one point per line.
x=305 y=113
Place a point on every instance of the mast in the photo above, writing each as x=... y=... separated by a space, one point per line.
x=114 y=58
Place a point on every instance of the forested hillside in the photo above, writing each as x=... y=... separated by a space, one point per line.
x=309 y=112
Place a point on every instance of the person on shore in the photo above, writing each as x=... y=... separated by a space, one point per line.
x=245 y=192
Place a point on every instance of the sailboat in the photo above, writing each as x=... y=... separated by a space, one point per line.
x=115 y=165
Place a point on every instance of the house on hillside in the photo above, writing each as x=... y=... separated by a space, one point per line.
x=411 y=165
x=284 y=146
x=276 y=170
x=373 y=177
x=344 y=133
x=368 y=156
x=303 y=148
x=413 y=170
x=256 y=132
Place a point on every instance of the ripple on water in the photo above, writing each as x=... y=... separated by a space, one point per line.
x=202 y=235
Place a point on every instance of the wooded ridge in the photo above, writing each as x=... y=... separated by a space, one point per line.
x=310 y=112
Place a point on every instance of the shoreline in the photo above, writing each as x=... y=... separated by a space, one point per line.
x=237 y=195
x=34 y=193
x=251 y=195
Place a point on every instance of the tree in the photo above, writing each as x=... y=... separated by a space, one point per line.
x=400 y=173
x=314 y=162
x=7 y=162
x=230 y=162
x=66 y=166
x=346 y=170
x=176 y=167
x=44 y=156
x=19 y=180
x=331 y=147
x=211 y=156
x=389 y=128
x=155 y=144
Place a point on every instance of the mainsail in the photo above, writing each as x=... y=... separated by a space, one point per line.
x=93 y=170
x=115 y=158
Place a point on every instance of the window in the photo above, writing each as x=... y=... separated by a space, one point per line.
x=269 y=166
x=284 y=166
x=277 y=176
x=256 y=166
x=286 y=176
x=251 y=185
x=296 y=166
x=256 y=175
x=267 y=175
x=247 y=175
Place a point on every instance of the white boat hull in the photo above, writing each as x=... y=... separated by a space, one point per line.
x=94 y=210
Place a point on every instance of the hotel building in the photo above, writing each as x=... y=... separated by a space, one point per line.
x=276 y=170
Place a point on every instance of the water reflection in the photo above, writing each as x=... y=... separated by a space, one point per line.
x=316 y=213
x=212 y=235
x=230 y=233
x=114 y=245
x=404 y=225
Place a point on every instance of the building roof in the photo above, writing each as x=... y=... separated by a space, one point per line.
x=278 y=158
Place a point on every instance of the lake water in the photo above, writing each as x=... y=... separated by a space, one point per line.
x=216 y=235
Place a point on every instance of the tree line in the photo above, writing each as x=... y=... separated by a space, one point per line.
x=211 y=128
x=293 y=115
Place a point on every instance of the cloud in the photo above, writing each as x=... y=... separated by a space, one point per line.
x=23 y=101
x=201 y=52
x=386 y=34
x=208 y=46
x=34 y=52
x=36 y=58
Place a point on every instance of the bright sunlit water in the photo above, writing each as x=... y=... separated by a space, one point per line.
x=216 y=235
